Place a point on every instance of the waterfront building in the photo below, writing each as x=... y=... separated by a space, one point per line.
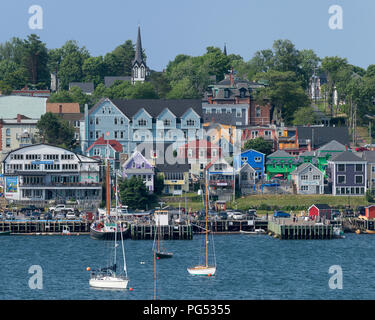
x=198 y=154
x=139 y=121
x=221 y=179
x=347 y=174
x=254 y=158
x=176 y=177
x=320 y=210
x=41 y=173
x=103 y=149
x=247 y=177
x=137 y=165
x=308 y=179
x=280 y=164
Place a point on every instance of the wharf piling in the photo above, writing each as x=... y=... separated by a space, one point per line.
x=300 y=231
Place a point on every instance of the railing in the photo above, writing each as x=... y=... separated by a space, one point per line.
x=68 y=184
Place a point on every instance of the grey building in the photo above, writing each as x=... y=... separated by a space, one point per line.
x=308 y=179
x=369 y=156
x=347 y=174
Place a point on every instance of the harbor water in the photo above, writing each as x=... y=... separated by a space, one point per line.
x=248 y=267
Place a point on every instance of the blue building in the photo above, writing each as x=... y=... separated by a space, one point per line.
x=254 y=158
x=133 y=122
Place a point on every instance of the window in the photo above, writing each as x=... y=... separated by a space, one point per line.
x=96 y=152
x=116 y=134
x=136 y=72
x=226 y=93
x=358 y=179
x=244 y=159
x=121 y=120
x=142 y=122
x=316 y=177
x=91 y=135
x=97 y=133
x=167 y=122
x=341 y=167
x=8 y=142
x=304 y=188
x=258 y=113
x=121 y=134
x=304 y=177
x=115 y=119
x=258 y=159
x=358 y=167
x=242 y=94
x=8 y=132
x=190 y=123
x=97 y=120
x=341 y=179
x=142 y=72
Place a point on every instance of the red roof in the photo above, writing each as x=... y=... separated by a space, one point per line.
x=117 y=146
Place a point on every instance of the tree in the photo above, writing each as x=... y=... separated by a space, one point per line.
x=304 y=116
x=54 y=130
x=34 y=60
x=119 y=61
x=141 y=91
x=135 y=194
x=260 y=145
x=159 y=184
x=93 y=70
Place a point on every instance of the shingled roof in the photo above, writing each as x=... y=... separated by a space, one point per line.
x=346 y=156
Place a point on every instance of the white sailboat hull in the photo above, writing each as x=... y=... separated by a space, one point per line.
x=109 y=283
x=202 y=271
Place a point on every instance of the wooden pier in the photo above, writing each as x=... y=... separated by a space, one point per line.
x=51 y=227
x=287 y=230
x=229 y=226
x=353 y=224
x=170 y=232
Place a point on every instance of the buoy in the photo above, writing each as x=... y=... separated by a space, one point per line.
x=88 y=268
x=130 y=289
x=157 y=258
x=209 y=274
x=142 y=262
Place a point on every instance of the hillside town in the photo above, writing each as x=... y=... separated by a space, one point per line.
x=238 y=142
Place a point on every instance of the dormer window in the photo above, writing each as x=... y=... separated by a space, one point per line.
x=142 y=122
x=242 y=93
x=226 y=93
x=167 y=122
x=190 y=123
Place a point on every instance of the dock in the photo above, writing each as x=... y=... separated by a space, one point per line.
x=169 y=232
x=229 y=226
x=286 y=229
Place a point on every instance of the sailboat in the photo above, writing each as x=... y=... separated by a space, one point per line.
x=160 y=251
x=105 y=228
x=108 y=277
x=206 y=269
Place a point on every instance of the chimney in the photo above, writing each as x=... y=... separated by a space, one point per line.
x=60 y=108
x=346 y=147
x=18 y=118
x=309 y=145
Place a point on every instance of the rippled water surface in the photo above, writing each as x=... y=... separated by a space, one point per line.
x=248 y=267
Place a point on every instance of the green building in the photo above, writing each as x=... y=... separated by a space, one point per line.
x=280 y=164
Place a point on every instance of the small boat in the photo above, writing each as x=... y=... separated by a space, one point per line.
x=256 y=232
x=159 y=249
x=4 y=233
x=358 y=231
x=338 y=232
x=108 y=278
x=370 y=231
x=204 y=270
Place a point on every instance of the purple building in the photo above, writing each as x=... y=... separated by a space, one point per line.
x=347 y=173
x=138 y=166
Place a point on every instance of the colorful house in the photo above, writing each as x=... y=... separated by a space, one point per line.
x=138 y=166
x=320 y=210
x=370 y=212
x=347 y=174
x=280 y=164
x=254 y=158
x=220 y=176
x=103 y=149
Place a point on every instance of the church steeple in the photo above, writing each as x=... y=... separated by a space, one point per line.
x=139 y=65
x=225 y=48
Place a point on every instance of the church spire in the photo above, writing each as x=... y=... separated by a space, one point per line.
x=138 y=48
x=225 y=48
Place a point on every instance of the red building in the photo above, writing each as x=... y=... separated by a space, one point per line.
x=320 y=210
x=370 y=212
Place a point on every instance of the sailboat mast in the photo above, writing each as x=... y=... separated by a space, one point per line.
x=108 y=188
x=206 y=220
x=154 y=275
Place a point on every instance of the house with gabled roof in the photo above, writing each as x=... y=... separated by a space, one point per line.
x=308 y=179
x=220 y=178
x=280 y=164
x=138 y=166
x=369 y=156
x=138 y=121
x=103 y=149
x=347 y=174
x=254 y=158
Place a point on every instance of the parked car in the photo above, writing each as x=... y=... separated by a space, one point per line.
x=60 y=216
x=281 y=214
x=10 y=215
x=223 y=215
x=238 y=216
x=361 y=149
x=252 y=213
x=71 y=216
x=61 y=208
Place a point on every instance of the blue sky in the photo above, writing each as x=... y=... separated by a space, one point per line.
x=171 y=27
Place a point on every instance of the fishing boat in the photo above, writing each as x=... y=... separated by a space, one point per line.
x=204 y=269
x=106 y=227
x=108 y=277
x=4 y=233
x=158 y=247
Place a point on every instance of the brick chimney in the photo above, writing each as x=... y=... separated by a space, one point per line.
x=18 y=118
x=60 y=108
x=309 y=145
